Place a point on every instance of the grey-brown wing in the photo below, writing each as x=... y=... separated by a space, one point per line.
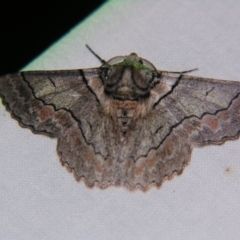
x=186 y=111
x=48 y=101
x=210 y=107
x=63 y=105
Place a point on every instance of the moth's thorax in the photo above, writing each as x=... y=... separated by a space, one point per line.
x=127 y=82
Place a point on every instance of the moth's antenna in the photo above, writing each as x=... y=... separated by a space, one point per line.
x=102 y=61
x=183 y=72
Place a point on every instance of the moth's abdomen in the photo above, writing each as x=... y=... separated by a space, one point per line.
x=125 y=118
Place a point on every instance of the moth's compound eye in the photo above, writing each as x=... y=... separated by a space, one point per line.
x=105 y=73
x=143 y=78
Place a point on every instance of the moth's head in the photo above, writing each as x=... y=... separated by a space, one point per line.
x=128 y=77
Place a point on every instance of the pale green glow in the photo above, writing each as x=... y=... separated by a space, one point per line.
x=63 y=51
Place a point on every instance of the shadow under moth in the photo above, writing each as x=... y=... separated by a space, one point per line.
x=124 y=123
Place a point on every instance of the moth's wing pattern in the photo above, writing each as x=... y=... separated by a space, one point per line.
x=210 y=106
x=182 y=111
x=45 y=100
x=58 y=104
x=193 y=111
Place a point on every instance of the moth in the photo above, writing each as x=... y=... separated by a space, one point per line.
x=125 y=122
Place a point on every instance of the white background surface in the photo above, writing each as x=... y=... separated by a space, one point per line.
x=41 y=200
